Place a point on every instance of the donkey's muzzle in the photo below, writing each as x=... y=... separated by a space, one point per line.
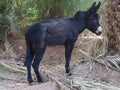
x=99 y=30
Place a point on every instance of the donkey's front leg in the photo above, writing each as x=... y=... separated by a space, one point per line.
x=68 y=52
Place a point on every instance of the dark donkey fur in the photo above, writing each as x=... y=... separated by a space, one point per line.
x=62 y=31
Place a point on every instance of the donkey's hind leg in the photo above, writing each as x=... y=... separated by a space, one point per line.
x=39 y=51
x=28 y=61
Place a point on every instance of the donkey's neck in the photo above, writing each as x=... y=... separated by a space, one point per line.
x=81 y=20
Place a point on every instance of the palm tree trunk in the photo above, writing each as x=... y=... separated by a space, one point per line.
x=113 y=21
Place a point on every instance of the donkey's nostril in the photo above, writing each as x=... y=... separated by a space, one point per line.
x=98 y=33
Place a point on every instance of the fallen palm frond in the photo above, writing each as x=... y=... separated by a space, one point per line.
x=11 y=68
x=83 y=84
x=111 y=63
x=8 y=78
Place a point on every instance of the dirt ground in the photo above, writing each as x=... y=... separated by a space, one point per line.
x=87 y=73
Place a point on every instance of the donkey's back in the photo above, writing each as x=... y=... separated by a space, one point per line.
x=53 y=32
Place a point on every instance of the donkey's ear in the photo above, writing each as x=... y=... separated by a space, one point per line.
x=92 y=8
x=98 y=6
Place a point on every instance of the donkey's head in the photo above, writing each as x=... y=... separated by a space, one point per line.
x=93 y=19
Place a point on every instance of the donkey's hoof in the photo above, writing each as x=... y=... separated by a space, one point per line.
x=40 y=81
x=69 y=74
x=31 y=83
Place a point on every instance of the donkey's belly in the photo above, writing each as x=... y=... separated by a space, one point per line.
x=55 y=40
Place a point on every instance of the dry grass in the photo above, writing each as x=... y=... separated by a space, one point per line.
x=113 y=22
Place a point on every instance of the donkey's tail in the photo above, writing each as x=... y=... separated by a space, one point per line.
x=29 y=54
